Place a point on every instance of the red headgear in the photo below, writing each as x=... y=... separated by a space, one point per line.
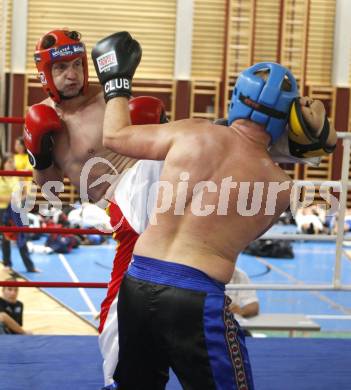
x=58 y=45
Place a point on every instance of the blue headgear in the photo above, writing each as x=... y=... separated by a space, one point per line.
x=263 y=101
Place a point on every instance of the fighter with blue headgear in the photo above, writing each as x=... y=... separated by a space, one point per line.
x=264 y=94
x=267 y=93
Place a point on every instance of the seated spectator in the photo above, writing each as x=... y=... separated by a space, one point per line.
x=39 y=249
x=53 y=215
x=60 y=243
x=286 y=218
x=11 y=312
x=244 y=302
x=311 y=220
x=34 y=220
x=347 y=222
x=89 y=215
x=93 y=239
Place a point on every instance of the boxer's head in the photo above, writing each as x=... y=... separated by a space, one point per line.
x=264 y=93
x=20 y=147
x=10 y=294
x=7 y=162
x=57 y=52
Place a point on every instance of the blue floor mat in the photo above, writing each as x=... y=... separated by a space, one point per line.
x=74 y=362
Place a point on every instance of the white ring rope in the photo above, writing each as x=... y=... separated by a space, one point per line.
x=340 y=237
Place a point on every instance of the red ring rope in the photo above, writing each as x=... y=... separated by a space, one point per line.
x=27 y=229
x=11 y=119
x=13 y=283
x=15 y=173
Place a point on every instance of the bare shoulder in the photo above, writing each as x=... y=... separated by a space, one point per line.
x=196 y=127
x=201 y=137
x=95 y=96
x=96 y=92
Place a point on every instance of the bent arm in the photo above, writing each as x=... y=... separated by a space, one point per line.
x=250 y=310
x=11 y=324
x=151 y=142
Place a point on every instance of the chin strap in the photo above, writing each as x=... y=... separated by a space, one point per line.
x=302 y=141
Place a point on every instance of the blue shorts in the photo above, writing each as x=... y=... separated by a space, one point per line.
x=172 y=315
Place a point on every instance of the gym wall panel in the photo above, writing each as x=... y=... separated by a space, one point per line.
x=239 y=43
x=2 y=28
x=240 y=39
x=320 y=42
x=293 y=39
x=5 y=32
x=266 y=31
x=208 y=39
x=151 y=22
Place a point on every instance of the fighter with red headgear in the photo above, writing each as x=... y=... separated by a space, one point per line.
x=58 y=46
x=64 y=131
x=62 y=64
x=63 y=136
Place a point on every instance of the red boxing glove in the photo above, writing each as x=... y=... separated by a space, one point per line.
x=147 y=110
x=41 y=120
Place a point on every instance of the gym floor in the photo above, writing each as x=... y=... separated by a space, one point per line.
x=313 y=264
x=321 y=363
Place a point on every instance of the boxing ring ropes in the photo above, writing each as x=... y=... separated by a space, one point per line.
x=343 y=184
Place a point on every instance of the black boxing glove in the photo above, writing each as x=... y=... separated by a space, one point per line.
x=116 y=59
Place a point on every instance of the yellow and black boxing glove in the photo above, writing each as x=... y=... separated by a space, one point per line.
x=303 y=143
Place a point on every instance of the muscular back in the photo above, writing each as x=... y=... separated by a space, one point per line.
x=210 y=239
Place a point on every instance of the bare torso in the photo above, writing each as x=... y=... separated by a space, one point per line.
x=80 y=143
x=211 y=243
